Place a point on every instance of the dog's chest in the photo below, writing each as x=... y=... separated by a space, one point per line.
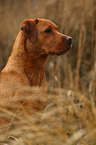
x=36 y=77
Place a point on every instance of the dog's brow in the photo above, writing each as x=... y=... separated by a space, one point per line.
x=49 y=27
x=56 y=27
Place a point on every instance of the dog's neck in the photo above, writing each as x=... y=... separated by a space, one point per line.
x=35 y=71
x=33 y=68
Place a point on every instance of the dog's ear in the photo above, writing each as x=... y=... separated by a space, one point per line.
x=30 y=29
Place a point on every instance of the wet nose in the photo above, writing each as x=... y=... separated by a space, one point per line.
x=69 y=40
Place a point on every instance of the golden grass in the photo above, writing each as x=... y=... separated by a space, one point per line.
x=68 y=119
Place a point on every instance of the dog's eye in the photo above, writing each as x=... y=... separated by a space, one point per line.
x=48 y=31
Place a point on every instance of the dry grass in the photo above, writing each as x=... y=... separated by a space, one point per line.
x=68 y=119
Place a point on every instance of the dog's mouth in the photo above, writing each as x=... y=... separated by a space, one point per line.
x=60 y=53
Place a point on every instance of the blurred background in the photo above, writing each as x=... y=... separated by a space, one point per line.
x=74 y=18
x=72 y=76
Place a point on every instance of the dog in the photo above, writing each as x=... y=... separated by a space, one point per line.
x=25 y=69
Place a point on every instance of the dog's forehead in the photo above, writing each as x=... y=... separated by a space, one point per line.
x=46 y=23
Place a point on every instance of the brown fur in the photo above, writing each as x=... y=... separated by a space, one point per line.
x=26 y=65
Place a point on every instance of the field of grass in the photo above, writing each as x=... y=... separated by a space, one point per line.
x=68 y=119
x=70 y=116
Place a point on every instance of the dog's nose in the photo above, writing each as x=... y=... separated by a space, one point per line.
x=69 y=40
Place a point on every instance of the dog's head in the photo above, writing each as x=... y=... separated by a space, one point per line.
x=43 y=37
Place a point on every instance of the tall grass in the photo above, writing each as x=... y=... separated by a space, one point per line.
x=67 y=119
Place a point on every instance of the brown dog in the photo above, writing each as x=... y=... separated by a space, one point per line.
x=25 y=68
